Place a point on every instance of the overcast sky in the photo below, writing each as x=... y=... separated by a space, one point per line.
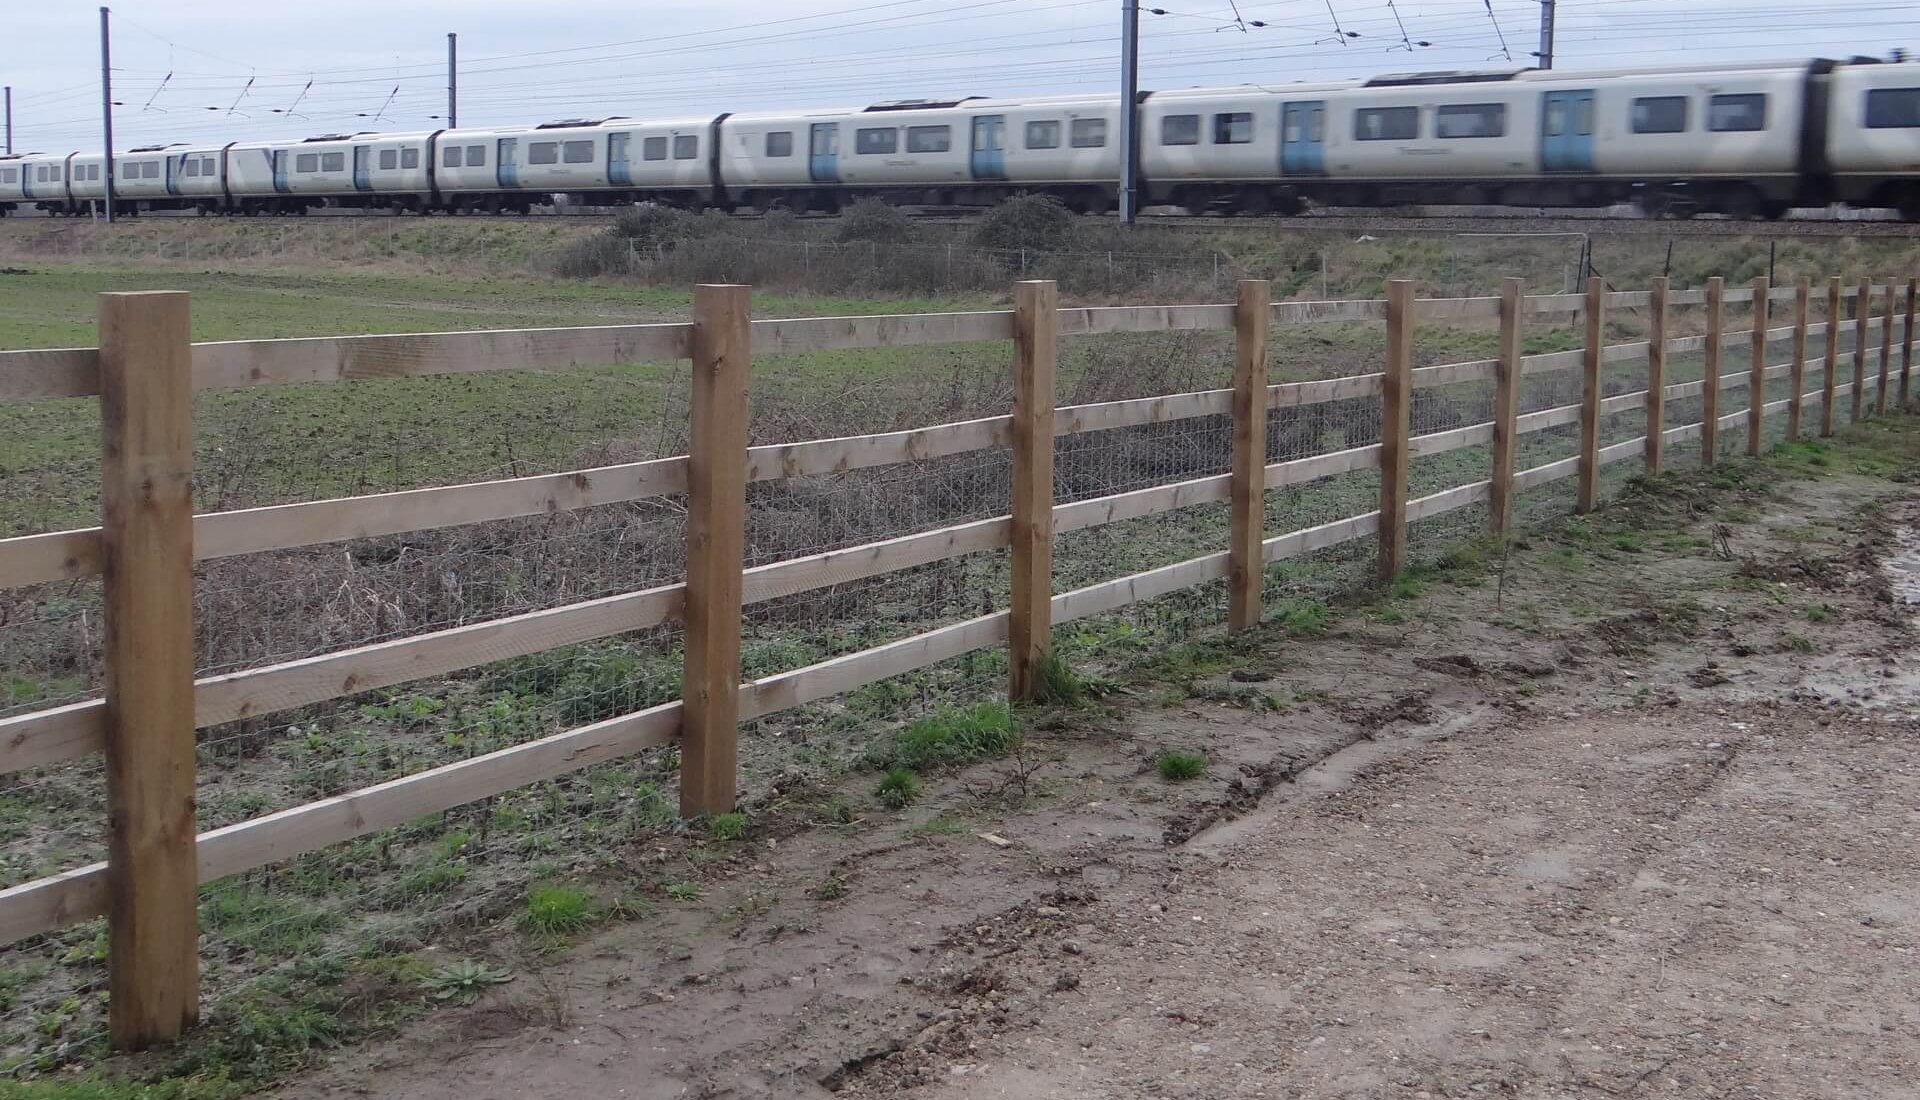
x=243 y=69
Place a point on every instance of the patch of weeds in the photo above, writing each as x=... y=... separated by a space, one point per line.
x=1056 y=684
x=557 y=909
x=728 y=826
x=1176 y=766
x=1302 y=618
x=1819 y=612
x=839 y=810
x=683 y=891
x=832 y=888
x=898 y=789
x=1799 y=643
x=1629 y=543
x=953 y=737
x=1251 y=696
x=462 y=982
x=1406 y=585
x=939 y=826
x=1390 y=615
x=274 y=925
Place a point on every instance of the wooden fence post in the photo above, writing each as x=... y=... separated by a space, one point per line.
x=1757 y=369
x=1886 y=349
x=1506 y=406
x=1589 y=495
x=716 y=537
x=1828 y=383
x=1245 y=565
x=1036 y=326
x=1862 y=308
x=1710 y=372
x=146 y=507
x=1797 y=372
x=1396 y=395
x=1906 y=344
x=1656 y=375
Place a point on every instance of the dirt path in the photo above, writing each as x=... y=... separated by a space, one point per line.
x=1616 y=816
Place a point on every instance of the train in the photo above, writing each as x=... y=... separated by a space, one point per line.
x=1747 y=141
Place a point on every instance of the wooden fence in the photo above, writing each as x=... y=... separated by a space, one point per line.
x=145 y=371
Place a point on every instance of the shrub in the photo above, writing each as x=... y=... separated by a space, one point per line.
x=1036 y=222
x=728 y=826
x=870 y=221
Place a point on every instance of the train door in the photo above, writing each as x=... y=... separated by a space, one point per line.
x=362 y=168
x=279 y=160
x=619 y=171
x=507 y=163
x=989 y=147
x=174 y=166
x=1303 y=138
x=1566 y=132
x=823 y=153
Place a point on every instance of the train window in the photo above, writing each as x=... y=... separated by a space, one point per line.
x=389 y=159
x=1088 y=133
x=306 y=162
x=780 y=143
x=577 y=152
x=1180 y=130
x=207 y=167
x=150 y=170
x=876 y=140
x=1043 y=135
x=409 y=158
x=653 y=148
x=1470 y=120
x=193 y=167
x=1386 y=124
x=1893 y=109
x=476 y=156
x=1660 y=114
x=450 y=157
x=9 y=175
x=1737 y=112
x=543 y=152
x=53 y=174
x=929 y=139
x=1235 y=128
x=333 y=162
x=40 y=173
x=686 y=146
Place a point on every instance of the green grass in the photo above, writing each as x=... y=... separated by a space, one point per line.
x=1301 y=618
x=897 y=789
x=1819 y=612
x=954 y=736
x=1176 y=766
x=557 y=909
x=728 y=826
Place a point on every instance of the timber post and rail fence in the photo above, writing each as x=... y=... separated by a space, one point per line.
x=145 y=371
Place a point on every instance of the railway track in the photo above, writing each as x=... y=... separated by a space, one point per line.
x=1517 y=222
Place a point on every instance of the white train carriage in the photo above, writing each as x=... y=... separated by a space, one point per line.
x=971 y=151
x=591 y=161
x=350 y=170
x=12 y=192
x=1873 y=136
x=43 y=182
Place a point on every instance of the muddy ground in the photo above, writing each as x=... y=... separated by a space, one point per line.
x=1629 y=810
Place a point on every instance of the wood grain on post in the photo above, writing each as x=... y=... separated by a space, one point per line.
x=1829 y=381
x=1036 y=309
x=1246 y=566
x=146 y=505
x=1710 y=372
x=1589 y=492
x=1656 y=374
x=1797 y=371
x=1886 y=349
x=1396 y=393
x=1506 y=406
x=1906 y=344
x=1862 y=313
x=716 y=538
x=1757 y=368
